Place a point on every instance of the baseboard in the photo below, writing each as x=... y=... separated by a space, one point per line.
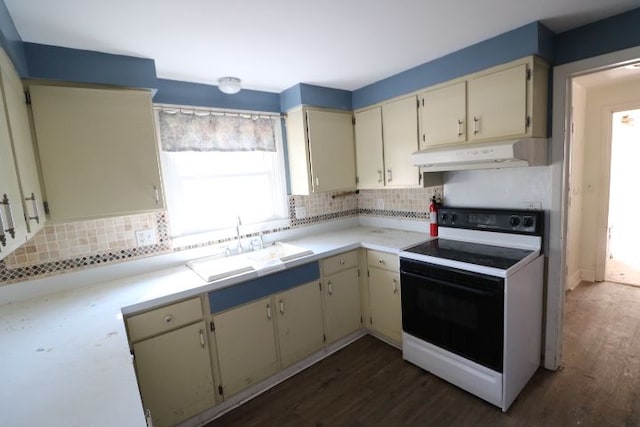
x=588 y=275
x=573 y=280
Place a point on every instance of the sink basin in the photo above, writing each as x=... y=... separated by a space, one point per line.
x=263 y=261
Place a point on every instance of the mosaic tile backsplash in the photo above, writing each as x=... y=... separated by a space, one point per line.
x=80 y=245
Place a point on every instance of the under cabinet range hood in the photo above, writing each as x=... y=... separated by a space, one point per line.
x=488 y=155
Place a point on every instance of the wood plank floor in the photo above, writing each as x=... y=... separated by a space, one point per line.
x=368 y=383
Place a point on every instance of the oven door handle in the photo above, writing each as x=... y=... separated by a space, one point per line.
x=470 y=289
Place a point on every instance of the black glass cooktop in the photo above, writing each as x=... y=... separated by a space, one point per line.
x=472 y=253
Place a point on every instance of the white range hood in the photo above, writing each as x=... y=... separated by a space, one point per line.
x=487 y=155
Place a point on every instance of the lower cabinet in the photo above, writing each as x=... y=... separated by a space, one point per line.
x=246 y=345
x=174 y=374
x=341 y=294
x=384 y=295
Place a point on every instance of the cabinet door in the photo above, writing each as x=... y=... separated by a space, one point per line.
x=332 y=151
x=369 y=162
x=246 y=345
x=98 y=151
x=342 y=304
x=498 y=104
x=299 y=320
x=13 y=228
x=174 y=374
x=400 y=133
x=443 y=115
x=23 y=147
x=384 y=294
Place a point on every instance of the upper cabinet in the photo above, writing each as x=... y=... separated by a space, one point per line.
x=321 y=151
x=503 y=102
x=98 y=151
x=386 y=136
x=21 y=210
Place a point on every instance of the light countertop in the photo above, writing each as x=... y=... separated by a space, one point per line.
x=65 y=359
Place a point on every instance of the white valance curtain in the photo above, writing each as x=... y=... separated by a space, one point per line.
x=204 y=130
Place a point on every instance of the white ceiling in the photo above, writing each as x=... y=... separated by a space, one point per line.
x=344 y=44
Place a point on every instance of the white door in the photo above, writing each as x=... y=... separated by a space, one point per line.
x=443 y=115
x=400 y=135
x=369 y=161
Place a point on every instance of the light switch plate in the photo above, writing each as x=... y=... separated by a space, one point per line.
x=146 y=237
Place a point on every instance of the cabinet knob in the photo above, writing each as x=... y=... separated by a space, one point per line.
x=168 y=318
x=380 y=261
x=341 y=262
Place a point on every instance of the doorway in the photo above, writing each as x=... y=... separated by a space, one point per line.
x=622 y=263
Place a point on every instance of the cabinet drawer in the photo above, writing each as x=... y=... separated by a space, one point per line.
x=383 y=260
x=163 y=319
x=339 y=262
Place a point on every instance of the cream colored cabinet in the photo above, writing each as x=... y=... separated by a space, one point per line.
x=174 y=374
x=13 y=229
x=246 y=345
x=299 y=322
x=384 y=295
x=341 y=294
x=443 y=115
x=498 y=104
x=400 y=134
x=23 y=147
x=321 y=151
x=503 y=102
x=386 y=136
x=98 y=151
x=172 y=361
x=369 y=146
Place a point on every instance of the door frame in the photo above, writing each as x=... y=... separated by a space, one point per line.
x=560 y=150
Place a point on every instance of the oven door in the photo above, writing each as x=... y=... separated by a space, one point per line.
x=457 y=310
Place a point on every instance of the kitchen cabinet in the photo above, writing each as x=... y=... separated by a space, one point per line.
x=384 y=295
x=400 y=134
x=246 y=345
x=504 y=102
x=98 y=151
x=341 y=294
x=386 y=136
x=368 y=140
x=174 y=374
x=321 y=150
x=443 y=115
x=299 y=323
x=172 y=361
x=17 y=114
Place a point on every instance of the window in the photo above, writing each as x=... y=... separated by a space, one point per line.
x=218 y=166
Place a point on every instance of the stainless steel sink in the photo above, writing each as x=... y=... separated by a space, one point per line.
x=263 y=261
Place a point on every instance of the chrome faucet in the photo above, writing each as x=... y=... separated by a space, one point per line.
x=238 y=224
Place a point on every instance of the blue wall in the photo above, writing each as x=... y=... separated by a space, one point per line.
x=608 y=35
x=306 y=94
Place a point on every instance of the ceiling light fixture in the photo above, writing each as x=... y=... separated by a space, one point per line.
x=229 y=85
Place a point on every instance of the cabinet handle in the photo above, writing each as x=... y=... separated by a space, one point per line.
x=379 y=176
x=460 y=129
x=330 y=286
x=269 y=311
x=157 y=193
x=476 y=127
x=317 y=182
x=3 y=237
x=390 y=176
x=168 y=318
x=9 y=216
x=201 y=338
x=36 y=212
x=395 y=286
x=281 y=307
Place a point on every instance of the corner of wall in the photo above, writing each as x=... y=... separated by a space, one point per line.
x=11 y=41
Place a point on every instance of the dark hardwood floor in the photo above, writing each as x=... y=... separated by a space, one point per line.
x=368 y=383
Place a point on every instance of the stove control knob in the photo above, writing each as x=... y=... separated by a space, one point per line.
x=444 y=217
x=527 y=221
x=454 y=217
x=514 y=221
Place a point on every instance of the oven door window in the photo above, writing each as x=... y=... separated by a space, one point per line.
x=459 y=311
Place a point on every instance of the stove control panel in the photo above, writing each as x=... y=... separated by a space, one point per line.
x=499 y=220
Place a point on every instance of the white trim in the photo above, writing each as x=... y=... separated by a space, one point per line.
x=560 y=146
x=574 y=280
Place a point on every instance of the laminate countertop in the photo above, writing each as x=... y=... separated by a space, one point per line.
x=64 y=357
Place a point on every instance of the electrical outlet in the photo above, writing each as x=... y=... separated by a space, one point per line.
x=301 y=212
x=146 y=237
x=532 y=206
x=380 y=204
